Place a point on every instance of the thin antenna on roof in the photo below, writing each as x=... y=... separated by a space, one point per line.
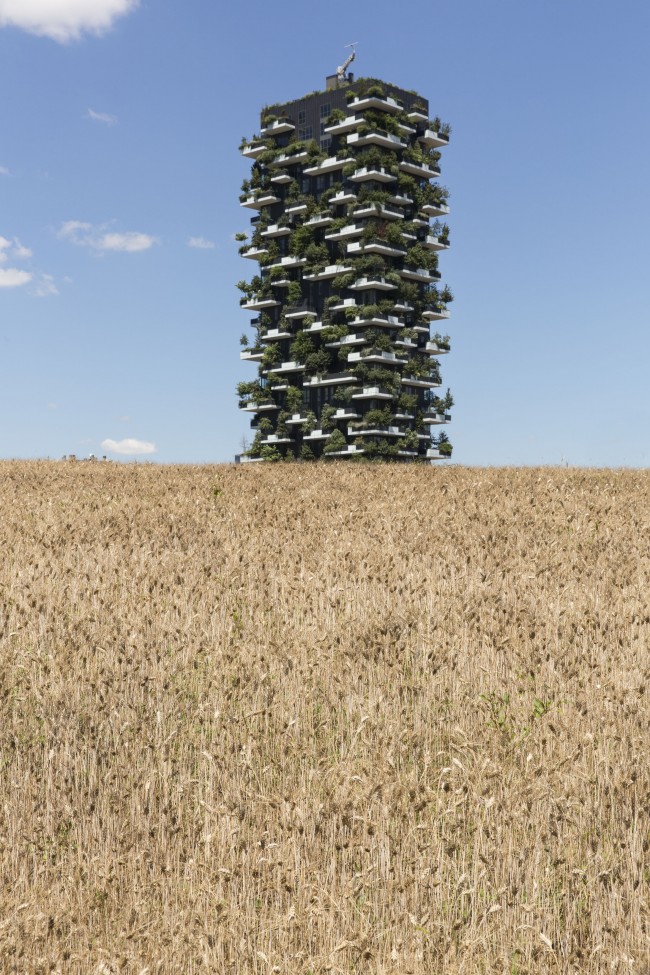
x=340 y=71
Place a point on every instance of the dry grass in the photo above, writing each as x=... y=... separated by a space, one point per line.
x=323 y=719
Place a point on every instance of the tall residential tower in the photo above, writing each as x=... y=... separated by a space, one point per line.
x=344 y=188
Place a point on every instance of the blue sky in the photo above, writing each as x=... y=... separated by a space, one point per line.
x=119 y=181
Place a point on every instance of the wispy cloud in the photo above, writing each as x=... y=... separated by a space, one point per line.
x=4 y=171
x=201 y=243
x=101 y=239
x=63 y=20
x=14 y=249
x=101 y=117
x=129 y=446
x=11 y=277
x=46 y=286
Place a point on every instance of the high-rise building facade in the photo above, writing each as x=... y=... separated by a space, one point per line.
x=347 y=231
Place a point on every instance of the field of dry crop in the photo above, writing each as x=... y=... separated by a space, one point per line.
x=316 y=719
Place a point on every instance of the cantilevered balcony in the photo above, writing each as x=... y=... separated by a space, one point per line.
x=320 y=220
x=259 y=407
x=346 y=413
x=422 y=274
x=292 y=260
x=373 y=392
x=376 y=321
x=344 y=303
x=330 y=379
x=421 y=170
x=280 y=179
x=376 y=247
x=415 y=116
x=366 y=174
x=259 y=304
x=431 y=382
x=254 y=253
x=376 y=138
x=278 y=127
x=363 y=103
x=379 y=211
x=289 y=367
x=317 y=435
x=331 y=271
x=380 y=430
x=432 y=348
x=433 y=418
x=377 y=355
x=433 y=139
x=435 y=313
x=351 y=231
x=327 y=166
x=433 y=453
x=276 y=230
x=296 y=208
x=299 y=311
x=296 y=420
x=435 y=209
x=275 y=335
x=435 y=243
x=348 y=451
x=343 y=196
x=258 y=200
x=347 y=124
x=401 y=201
x=378 y=284
x=252 y=355
x=291 y=158
x=273 y=438
x=254 y=149
x=346 y=340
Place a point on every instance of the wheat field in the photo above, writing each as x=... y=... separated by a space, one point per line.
x=323 y=719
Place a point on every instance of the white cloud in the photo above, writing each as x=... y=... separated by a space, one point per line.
x=20 y=251
x=11 y=277
x=101 y=117
x=99 y=239
x=130 y=242
x=4 y=171
x=63 y=20
x=202 y=243
x=13 y=248
x=46 y=286
x=129 y=446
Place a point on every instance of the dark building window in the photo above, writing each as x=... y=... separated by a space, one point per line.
x=325 y=110
x=302 y=117
x=306 y=132
x=326 y=143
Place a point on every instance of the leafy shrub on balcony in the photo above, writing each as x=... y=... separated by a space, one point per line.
x=306 y=453
x=300 y=239
x=270 y=452
x=443 y=341
x=335 y=442
x=336 y=115
x=301 y=347
x=271 y=356
x=326 y=416
x=293 y=399
x=443 y=444
x=418 y=256
x=409 y=441
x=294 y=293
x=378 y=418
x=319 y=362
